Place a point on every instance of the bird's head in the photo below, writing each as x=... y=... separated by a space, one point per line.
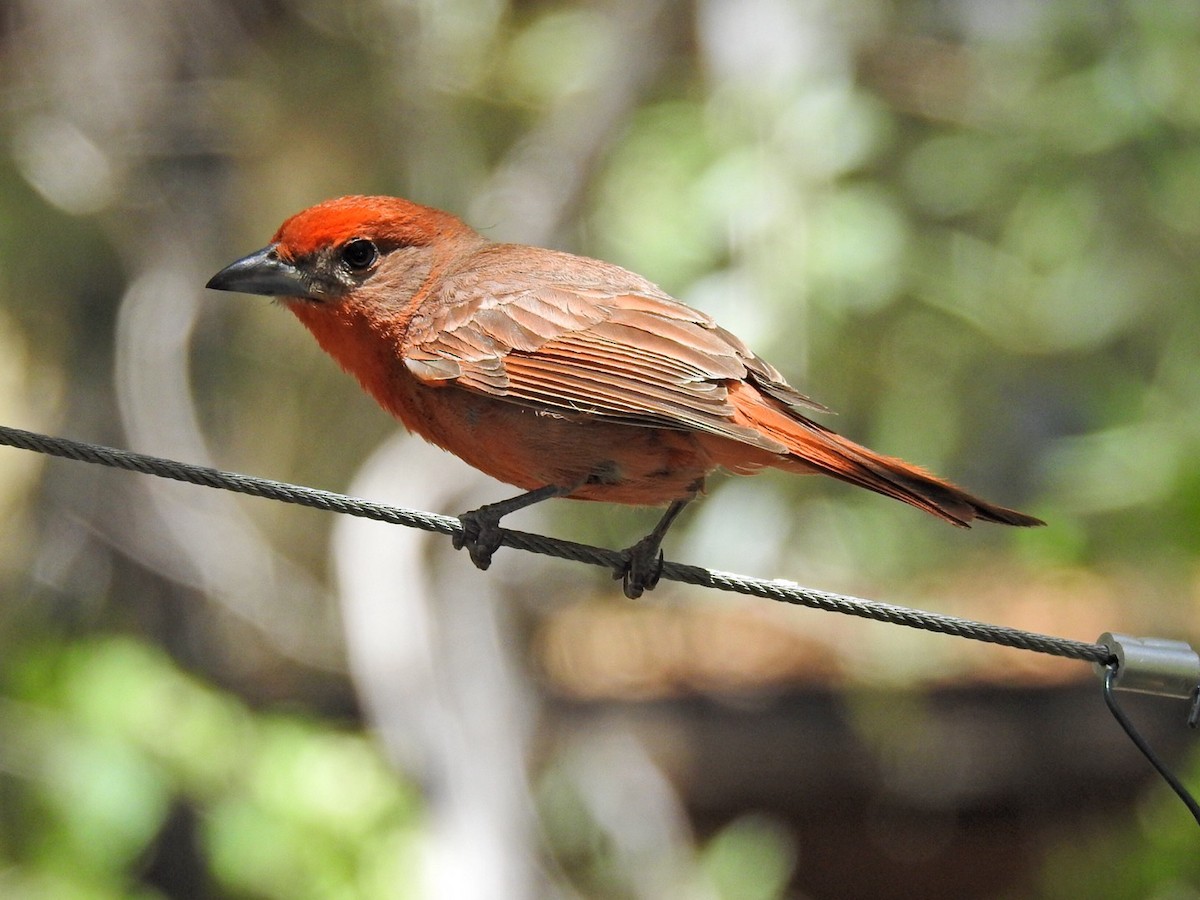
x=345 y=246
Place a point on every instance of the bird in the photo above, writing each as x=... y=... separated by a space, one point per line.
x=562 y=375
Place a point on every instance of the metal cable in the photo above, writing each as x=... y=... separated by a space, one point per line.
x=782 y=591
x=1172 y=780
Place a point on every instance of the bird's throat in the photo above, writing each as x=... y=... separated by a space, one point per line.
x=367 y=347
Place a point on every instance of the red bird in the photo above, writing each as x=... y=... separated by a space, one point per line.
x=562 y=375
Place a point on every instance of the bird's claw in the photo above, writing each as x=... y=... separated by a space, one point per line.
x=642 y=569
x=481 y=535
x=481 y=532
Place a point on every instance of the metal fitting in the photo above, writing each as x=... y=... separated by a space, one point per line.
x=1153 y=665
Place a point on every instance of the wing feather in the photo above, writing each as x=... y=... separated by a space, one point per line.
x=576 y=346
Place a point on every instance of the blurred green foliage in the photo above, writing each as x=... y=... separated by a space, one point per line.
x=106 y=740
x=973 y=229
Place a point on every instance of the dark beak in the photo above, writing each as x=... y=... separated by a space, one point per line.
x=262 y=272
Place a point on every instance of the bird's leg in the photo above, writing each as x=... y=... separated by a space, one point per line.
x=481 y=527
x=644 y=560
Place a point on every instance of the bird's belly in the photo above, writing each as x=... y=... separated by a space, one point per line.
x=531 y=448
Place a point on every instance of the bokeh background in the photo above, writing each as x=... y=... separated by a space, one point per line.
x=970 y=226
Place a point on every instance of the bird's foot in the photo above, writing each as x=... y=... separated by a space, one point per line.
x=481 y=535
x=644 y=560
x=481 y=532
x=642 y=568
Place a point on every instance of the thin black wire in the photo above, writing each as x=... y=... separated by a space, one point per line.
x=782 y=591
x=1123 y=720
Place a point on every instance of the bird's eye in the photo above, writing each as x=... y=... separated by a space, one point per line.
x=360 y=254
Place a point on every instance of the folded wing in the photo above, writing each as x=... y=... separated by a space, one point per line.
x=636 y=356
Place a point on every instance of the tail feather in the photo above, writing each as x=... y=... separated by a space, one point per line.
x=814 y=448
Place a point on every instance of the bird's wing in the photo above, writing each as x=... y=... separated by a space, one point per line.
x=578 y=347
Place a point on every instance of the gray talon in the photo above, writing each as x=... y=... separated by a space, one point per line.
x=480 y=535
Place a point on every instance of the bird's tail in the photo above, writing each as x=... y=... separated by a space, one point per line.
x=813 y=448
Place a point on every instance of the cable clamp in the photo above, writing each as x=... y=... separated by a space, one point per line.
x=1152 y=665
